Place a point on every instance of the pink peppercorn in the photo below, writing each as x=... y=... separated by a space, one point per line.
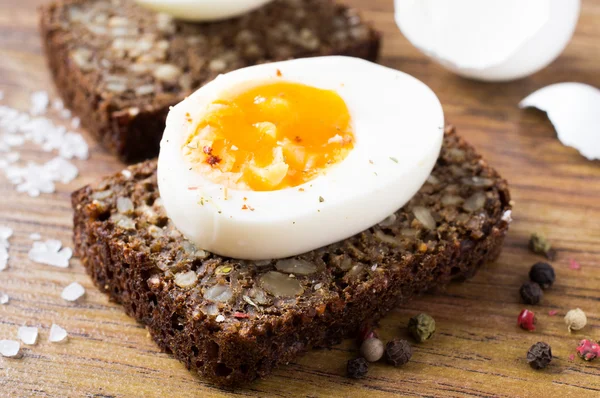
x=526 y=320
x=588 y=349
x=366 y=331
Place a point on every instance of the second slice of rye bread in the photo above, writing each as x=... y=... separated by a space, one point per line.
x=226 y=320
x=120 y=67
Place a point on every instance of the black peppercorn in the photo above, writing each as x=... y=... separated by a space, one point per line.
x=543 y=274
x=398 y=352
x=539 y=355
x=357 y=368
x=531 y=293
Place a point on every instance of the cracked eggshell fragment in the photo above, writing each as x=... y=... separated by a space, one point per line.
x=495 y=40
x=574 y=110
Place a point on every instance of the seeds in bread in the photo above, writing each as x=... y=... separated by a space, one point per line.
x=233 y=321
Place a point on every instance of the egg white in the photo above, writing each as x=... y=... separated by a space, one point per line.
x=398 y=126
x=203 y=10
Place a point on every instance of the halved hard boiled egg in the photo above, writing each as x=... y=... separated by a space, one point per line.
x=203 y=10
x=275 y=160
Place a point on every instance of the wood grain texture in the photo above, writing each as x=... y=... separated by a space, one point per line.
x=478 y=350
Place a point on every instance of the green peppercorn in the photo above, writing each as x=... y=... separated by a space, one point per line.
x=539 y=245
x=421 y=327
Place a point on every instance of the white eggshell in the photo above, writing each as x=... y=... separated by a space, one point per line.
x=493 y=40
x=574 y=110
x=203 y=10
x=398 y=125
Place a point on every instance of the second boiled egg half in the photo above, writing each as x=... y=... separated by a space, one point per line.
x=203 y=10
x=275 y=160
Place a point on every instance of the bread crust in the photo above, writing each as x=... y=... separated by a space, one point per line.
x=236 y=341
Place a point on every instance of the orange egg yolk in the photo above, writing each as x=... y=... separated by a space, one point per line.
x=273 y=136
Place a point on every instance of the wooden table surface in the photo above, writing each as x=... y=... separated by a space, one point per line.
x=478 y=349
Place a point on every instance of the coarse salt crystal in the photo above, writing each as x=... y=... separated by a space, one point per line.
x=50 y=253
x=57 y=334
x=13 y=157
x=35 y=236
x=39 y=102
x=12 y=140
x=61 y=170
x=28 y=335
x=73 y=145
x=58 y=105
x=3 y=258
x=8 y=159
x=16 y=127
x=75 y=123
x=4 y=299
x=5 y=234
x=35 y=178
x=73 y=292
x=126 y=173
x=10 y=348
x=31 y=179
x=65 y=114
x=53 y=245
x=220 y=318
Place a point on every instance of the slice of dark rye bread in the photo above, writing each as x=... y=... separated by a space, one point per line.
x=120 y=67
x=225 y=318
